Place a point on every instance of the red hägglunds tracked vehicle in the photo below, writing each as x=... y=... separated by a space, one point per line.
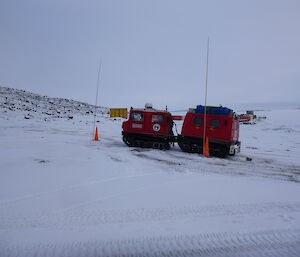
x=222 y=131
x=148 y=128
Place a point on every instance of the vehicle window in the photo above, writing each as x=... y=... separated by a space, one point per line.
x=157 y=118
x=136 y=116
x=198 y=121
x=214 y=123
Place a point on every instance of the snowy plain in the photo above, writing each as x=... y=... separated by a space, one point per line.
x=63 y=194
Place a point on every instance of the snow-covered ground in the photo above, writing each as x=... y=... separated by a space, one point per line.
x=63 y=194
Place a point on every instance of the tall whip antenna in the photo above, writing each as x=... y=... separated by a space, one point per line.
x=96 y=102
x=204 y=131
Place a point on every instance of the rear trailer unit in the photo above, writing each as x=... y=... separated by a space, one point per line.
x=222 y=131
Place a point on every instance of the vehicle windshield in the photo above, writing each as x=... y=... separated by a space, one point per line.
x=137 y=116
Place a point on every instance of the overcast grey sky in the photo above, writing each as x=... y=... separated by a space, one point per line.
x=152 y=50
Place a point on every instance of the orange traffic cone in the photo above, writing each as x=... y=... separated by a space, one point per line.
x=206 y=148
x=96 y=138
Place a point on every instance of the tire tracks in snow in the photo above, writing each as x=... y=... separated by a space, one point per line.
x=275 y=243
x=236 y=166
x=182 y=162
x=85 y=217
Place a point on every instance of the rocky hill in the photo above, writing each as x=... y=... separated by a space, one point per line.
x=30 y=105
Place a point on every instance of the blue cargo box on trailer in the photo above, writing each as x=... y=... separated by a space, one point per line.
x=214 y=110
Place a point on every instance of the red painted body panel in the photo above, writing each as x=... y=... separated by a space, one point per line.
x=218 y=127
x=177 y=117
x=153 y=122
